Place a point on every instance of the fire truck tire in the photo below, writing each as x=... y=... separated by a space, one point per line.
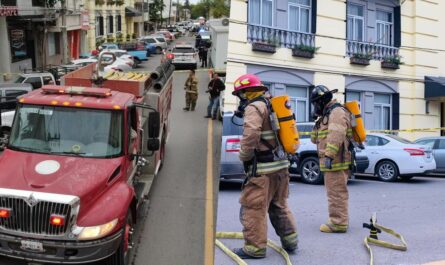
x=122 y=256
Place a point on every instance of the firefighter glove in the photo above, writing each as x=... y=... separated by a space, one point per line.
x=328 y=162
x=246 y=165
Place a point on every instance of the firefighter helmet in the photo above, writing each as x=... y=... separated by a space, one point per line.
x=248 y=81
x=322 y=93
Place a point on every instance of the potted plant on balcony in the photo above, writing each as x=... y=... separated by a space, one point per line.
x=111 y=2
x=361 y=58
x=100 y=2
x=304 y=51
x=268 y=46
x=119 y=2
x=99 y=41
x=110 y=37
x=119 y=37
x=134 y=36
x=392 y=62
x=128 y=37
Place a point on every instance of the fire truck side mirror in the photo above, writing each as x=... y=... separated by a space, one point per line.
x=154 y=124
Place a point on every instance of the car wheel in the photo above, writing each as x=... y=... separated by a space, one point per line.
x=122 y=256
x=406 y=178
x=387 y=171
x=310 y=171
x=158 y=50
x=137 y=62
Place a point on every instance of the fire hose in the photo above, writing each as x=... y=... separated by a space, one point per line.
x=373 y=239
x=239 y=235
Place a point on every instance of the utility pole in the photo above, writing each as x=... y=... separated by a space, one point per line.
x=169 y=12
x=64 y=34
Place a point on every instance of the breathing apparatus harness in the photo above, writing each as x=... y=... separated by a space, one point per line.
x=276 y=153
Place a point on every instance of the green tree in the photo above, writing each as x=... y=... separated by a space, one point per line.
x=155 y=11
x=198 y=10
x=220 y=9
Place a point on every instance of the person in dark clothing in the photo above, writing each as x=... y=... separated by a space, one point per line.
x=216 y=85
x=203 y=55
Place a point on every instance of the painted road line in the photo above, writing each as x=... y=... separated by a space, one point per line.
x=209 y=239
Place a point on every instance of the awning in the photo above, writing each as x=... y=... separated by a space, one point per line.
x=132 y=12
x=434 y=87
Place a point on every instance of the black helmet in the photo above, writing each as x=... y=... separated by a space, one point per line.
x=320 y=96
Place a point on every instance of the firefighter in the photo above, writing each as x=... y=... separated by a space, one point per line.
x=267 y=184
x=332 y=134
x=191 y=91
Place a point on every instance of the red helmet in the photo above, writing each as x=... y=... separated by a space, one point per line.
x=248 y=81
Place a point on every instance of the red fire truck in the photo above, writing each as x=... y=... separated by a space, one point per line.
x=79 y=163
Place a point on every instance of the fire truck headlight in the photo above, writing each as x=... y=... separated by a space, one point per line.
x=95 y=232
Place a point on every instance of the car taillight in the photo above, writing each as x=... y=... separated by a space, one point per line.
x=57 y=220
x=5 y=213
x=170 y=56
x=233 y=145
x=415 y=152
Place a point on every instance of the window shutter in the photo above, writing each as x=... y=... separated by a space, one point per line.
x=314 y=16
x=397 y=27
x=395 y=111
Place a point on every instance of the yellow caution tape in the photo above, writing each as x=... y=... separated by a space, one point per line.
x=238 y=235
x=382 y=243
x=394 y=131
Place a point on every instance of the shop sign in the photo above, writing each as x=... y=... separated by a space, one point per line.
x=8 y=11
x=18 y=43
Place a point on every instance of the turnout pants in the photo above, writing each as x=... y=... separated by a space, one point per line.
x=262 y=195
x=337 y=192
x=190 y=100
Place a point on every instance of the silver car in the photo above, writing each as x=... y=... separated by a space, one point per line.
x=438 y=146
x=183 y=56
x=157 y=40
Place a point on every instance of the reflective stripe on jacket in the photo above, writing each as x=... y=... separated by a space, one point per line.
x=331 y=134
x=256 y=127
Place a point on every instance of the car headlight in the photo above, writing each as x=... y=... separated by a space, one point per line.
x=95 y=232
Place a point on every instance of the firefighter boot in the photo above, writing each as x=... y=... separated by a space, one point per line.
x=333 y=228
x=186 y=108
x=240 y=252
x=290 y=242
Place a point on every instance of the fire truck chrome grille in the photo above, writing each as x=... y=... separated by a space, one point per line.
x=30 y=213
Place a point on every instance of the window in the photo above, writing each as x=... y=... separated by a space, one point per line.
x=441 y=144
x=119 y=23
x=110 y=24
x=51 y=44
x=36 y=82
x=384 y=25
x=299 y=15
x=430 y=143
x=149 y=41
x=399 y=139
x=261 y=12
x=372 y=140
x=299 y=102
x=382 y=112
x=47 y=80
x=355 y=24
x=99 y=26
x=13 y=94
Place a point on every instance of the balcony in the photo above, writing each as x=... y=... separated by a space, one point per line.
x=279 y=37
x=372 y=51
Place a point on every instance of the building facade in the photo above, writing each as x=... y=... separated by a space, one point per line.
x=32 y=33
x=379 y=52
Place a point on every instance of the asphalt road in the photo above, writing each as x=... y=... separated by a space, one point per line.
x=416 y=209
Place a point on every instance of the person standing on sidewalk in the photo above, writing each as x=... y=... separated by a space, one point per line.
x=266 y=189
x=332 y=133
x=191 y=91
x=216 y=85
x=203 y=54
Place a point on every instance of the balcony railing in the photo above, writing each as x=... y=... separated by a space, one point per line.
x=373 y=50
x=279 y=37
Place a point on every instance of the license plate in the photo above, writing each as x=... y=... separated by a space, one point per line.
x=32 y=245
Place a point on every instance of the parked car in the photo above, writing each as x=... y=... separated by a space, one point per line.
x=158 y=41
x=123 y=54
x=170 y=37
x=118 y=65
x=9 y=94
x=307 y=167
x=183 y=56
x=391 y=156
x=140 y=51
x=438 y=146
x=37 y=80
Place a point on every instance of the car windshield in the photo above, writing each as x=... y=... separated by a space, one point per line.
x=67 y=131
x=399 y=139
x=161 y=39
x=183 y=50
x=20 y=79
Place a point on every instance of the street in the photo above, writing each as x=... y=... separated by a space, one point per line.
x=414 y=209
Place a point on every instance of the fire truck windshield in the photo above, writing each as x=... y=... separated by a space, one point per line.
x=67 y=131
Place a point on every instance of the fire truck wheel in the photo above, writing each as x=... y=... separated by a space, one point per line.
x=122 y=256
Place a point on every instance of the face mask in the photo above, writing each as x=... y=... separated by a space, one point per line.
x=241 y=107
x=318 y=110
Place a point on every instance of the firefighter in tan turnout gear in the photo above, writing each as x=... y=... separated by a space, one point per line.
x=267 y=185
x=332 y=134
x=191 y=91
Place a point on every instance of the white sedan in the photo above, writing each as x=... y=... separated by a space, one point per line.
x=121 y=54
x=391 y=156
x=118 y=65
